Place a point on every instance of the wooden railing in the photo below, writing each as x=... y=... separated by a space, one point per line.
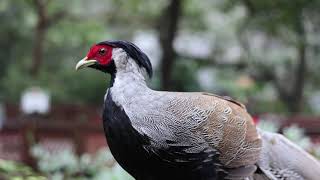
x=76 y=127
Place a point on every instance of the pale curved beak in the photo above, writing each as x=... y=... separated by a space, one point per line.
x=85 y=62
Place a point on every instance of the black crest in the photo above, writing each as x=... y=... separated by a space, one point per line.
x=134 y=52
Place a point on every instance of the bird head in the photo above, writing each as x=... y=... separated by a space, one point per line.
x=116 y=56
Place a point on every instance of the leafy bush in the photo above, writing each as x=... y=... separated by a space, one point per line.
x=65 y=164
x=10 y=170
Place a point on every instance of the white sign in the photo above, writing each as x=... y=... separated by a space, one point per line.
x=35 y=100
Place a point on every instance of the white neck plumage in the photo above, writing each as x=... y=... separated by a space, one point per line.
x=129 y=79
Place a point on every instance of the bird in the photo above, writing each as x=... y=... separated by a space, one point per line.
x=163 y=135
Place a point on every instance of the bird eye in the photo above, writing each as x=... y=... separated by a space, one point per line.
x=102 y=51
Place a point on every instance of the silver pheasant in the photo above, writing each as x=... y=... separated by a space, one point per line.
x=177 y=135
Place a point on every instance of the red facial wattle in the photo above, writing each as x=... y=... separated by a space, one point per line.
x=102 y=58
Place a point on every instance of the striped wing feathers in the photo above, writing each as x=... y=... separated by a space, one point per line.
x=223 y=123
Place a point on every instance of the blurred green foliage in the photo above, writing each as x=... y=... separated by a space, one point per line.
x=65 y=43
x=65 y=164
x=10 y=170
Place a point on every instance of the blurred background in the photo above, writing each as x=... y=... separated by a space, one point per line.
x=262 y=53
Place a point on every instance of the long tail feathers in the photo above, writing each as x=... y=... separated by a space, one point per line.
x=282 y=159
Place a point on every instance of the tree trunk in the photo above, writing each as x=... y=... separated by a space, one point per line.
x=301 y=69
x=291 y=96
x=39 y=40
x=41 y=29
x=39 y=36
x=167 y=31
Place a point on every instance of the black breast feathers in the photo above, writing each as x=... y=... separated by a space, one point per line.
x=134 y=152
